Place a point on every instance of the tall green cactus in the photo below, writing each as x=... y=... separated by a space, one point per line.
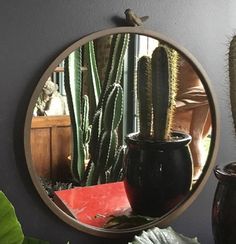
x=163 y=91
x=113 y=108
x=93 y=71
x=144 y=88
x=119 y=45
x=73 y=86
x=157 y=81
x=114 y=71
x=97 y=142
x=106 y=154
x=232 y=78
x=116 y=171
x=104 y=140
x=113 y=112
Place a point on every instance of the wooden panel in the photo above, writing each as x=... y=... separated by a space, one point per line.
x=40 y=149
x=61 y=145
x=51 y=146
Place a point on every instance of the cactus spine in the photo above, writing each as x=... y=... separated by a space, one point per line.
x=232 y=77
x=157 y=79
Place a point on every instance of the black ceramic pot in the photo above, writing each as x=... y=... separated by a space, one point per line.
x=158 y=174
x=224 y=205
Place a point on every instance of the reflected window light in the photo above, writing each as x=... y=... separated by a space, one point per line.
x=146 y=45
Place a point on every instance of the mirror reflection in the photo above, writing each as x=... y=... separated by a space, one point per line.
x=88 y=106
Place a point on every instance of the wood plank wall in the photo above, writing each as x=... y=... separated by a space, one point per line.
x=51 y=146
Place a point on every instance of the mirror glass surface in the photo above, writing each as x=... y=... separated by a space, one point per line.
x=61 y=129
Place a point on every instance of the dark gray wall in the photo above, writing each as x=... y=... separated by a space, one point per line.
x=34 y=32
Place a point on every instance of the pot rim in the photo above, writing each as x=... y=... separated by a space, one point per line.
x=226 y=173
x=178 y=138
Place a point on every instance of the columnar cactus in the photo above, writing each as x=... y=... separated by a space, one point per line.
x=116 y=171
x=156 y=91
x=93 y=71
x=114 y=69
x=164 y=72
x=99 y=144
x=144 y=89
x=104 y=139
x=73 y=86
x=112 y=110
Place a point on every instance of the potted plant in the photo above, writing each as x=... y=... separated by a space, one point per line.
x=158 y=163
x=10 y=228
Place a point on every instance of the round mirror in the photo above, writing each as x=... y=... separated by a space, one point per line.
x=91 y=100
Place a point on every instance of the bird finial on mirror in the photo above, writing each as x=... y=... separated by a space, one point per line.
x=132 y=19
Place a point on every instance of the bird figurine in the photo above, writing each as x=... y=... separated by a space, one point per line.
x=132 y=19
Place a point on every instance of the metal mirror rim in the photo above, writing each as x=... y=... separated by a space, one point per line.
x=180 y=208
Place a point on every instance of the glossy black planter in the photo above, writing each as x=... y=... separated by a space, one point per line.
x=224 y=205
x=158 y=174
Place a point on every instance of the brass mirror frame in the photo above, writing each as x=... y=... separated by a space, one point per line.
x=179 y=209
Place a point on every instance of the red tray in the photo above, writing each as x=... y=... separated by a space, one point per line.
x=94 y=205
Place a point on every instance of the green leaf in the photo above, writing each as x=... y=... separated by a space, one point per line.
x=10 y=228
